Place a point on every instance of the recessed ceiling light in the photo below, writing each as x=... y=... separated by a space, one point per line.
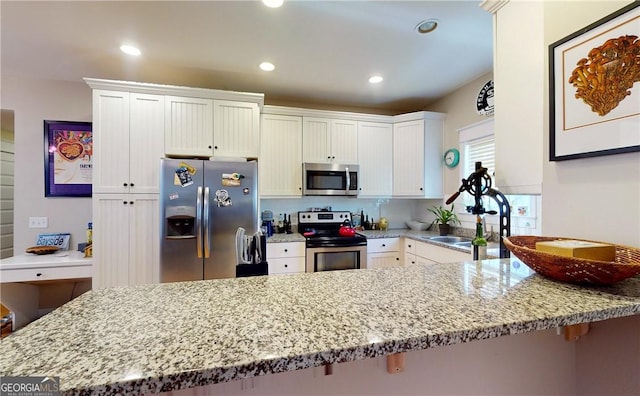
x=129 y=49
x=273 y=3
x=375 y=79
x=427 y=26
x=267 y=66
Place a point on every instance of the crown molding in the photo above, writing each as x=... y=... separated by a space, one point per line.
x=493 y=6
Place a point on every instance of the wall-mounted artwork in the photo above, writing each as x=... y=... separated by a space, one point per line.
x=594 y=92
x=68 y=153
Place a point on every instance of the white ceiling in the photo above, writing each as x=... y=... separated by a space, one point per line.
x=324 y=51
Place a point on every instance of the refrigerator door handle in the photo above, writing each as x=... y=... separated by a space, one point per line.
x=199 y=222
x=207 y=226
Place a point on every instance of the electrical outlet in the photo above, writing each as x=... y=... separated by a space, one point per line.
x=38 y=222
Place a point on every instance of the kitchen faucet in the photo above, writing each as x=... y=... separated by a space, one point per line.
x=487 y=234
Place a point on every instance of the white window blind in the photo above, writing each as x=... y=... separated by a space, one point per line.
x=482 y=150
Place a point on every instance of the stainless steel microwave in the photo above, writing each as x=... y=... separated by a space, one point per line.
x=329 y=179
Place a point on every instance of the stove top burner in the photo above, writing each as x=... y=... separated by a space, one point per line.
x=321 y=229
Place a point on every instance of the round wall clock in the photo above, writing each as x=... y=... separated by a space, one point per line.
x=452 y=157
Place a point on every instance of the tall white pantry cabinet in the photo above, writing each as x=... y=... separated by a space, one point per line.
x=128 y=133
x=134 y=126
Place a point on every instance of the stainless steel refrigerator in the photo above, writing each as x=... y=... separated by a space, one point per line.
x=203 y=203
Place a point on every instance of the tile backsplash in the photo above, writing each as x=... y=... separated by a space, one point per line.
x=399 y=211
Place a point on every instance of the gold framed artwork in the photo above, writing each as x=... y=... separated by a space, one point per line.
x=594 y=92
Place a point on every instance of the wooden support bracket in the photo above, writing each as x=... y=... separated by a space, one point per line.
x=328 y=369
x=395 y=363
x=573 y=332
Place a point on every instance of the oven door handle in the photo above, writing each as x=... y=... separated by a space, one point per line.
x=346 y=170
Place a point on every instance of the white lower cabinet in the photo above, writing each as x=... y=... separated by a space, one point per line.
x=286 y=257
x=409 y=251
x=125 y=239
x=383 y=252
x=416 y=252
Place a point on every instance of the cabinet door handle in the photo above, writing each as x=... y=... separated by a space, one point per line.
x=39 y=274
x=124 y=202
x=215 y=147
x=397 y=258
x=286 y=266
x=383 y=245
x=209 y=147
x=420 y=188
x=285 y=250
x=124 y=184
x=130 y=202
x=409 y=245
x=131 y=184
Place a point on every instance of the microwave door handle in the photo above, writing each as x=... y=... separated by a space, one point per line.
x=348 y=181
x=207 y=225
x=199 y=221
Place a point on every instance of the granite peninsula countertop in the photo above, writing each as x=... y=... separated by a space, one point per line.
x=153 y=338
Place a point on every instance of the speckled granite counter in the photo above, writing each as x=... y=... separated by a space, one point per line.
x=154 y=338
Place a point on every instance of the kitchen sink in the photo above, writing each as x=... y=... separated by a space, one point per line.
x=449 y=239
x=462 y=244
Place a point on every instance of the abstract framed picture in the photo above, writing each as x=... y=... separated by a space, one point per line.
x=594 y=88
x=68 y=153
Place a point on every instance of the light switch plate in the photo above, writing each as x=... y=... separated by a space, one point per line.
x=38 y=222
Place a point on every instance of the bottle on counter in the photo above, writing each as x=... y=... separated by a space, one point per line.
x=287 y=225
x=281 y=223
x=366 y=225
x=479 y=243
x=89 y=233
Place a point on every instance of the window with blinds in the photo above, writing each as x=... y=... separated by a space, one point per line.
x=482 y=150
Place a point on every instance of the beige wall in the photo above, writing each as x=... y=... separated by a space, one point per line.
x=34 y=101
x=593 y=198
x=460 y=107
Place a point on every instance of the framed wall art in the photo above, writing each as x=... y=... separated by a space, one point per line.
x=594 y=92
x=68 y=153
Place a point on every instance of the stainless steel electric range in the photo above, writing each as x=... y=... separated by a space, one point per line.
x=326 y=249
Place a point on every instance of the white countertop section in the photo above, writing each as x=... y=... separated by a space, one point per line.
x=58 y=259
x=32 y=267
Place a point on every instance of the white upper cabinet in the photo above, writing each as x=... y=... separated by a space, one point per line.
x=110 y=141
x=417 y=157
x=236 y=129
x=344 y=141
x=146 y=142
x=206 y=127
x=189 y=126
x=279 y=167
x=327 y=140
x=520 y=97
x=128 y=141
x=375 y=153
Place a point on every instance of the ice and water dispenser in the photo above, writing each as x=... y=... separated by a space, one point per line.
x=181 y=222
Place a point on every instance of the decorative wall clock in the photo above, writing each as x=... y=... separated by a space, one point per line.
x=452 y=157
